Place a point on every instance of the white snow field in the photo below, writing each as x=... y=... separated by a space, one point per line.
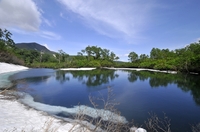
x=6 y=70
x=142 y=69
x=5 y=67
x=16 y=117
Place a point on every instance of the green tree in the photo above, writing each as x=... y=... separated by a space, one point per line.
x=113 y=56
x=105 y=54
x=6 y=42
x=143 y=56
x=88 y=51
x=133 y=56
x=155 y=53
x=96 y=51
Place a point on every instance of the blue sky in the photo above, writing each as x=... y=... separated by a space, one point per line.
x=121 y=26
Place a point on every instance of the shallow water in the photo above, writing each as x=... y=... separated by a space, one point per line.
x=4 y=81
x=138 y=92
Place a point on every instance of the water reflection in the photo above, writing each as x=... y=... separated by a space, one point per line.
x=100 y=77
x=61 y=76
x=132 y=77
x=89 y=78
x=185 y=82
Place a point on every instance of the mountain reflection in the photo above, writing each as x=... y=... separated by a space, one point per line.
x=35 y=80
x=24 y=84
x=185 y=82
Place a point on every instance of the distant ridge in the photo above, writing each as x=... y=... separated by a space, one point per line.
x=34 y=46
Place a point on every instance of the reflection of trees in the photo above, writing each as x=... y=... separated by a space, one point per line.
x=191 y=83
x=196 y=95
x=155 y=79
x=184 y=82
x=132 y=77
x=61 y=76
x=157 y=82
x=94 y=77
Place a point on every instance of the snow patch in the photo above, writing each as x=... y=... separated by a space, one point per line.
x=89 y=111
x=7 y=70
x=16 y=117
x=5 y=67
x=141 y=69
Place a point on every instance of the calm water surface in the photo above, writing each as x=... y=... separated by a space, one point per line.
x=138 y=93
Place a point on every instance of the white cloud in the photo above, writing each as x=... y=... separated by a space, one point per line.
x=197 y=40
x=123 y=55
x=49 y=35
x=62 y=15
x=126 y=54
x=114 y=18
x=22 y=14
x=47 y=22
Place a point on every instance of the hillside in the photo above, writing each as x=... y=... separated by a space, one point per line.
x=34 y=46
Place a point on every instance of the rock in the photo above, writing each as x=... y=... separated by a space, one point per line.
x=140 y=130
x=133 y=129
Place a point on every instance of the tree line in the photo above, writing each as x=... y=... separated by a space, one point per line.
x=91 y=56
x=185 y=59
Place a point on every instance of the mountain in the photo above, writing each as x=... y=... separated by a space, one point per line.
x=34 y=46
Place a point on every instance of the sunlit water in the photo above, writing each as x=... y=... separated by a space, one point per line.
x=138 y=93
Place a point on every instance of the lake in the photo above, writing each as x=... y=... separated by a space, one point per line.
x=137 y=92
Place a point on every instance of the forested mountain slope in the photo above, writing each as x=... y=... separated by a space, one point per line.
x=34 y=46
